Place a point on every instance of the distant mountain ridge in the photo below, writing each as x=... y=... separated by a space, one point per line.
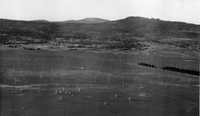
x=127 y=33
x=88 y=21
x=132 y=26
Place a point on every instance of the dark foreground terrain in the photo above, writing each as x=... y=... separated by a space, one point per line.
x=96 y=83
x=130 y=67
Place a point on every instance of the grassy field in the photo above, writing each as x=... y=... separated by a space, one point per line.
x=98 y=83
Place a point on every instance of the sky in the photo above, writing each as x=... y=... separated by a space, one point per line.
x=59 y=10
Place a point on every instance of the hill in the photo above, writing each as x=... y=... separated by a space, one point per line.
x=138 y=26
x=88 y=21
x=125 y=33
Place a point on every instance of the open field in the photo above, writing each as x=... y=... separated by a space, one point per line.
x=98 y=83
x=134 y=66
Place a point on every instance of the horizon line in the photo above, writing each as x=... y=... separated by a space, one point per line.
x=116 y=19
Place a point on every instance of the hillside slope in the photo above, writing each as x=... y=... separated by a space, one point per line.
x=115 y=34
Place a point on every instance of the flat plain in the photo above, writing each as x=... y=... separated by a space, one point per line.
x=129 y=67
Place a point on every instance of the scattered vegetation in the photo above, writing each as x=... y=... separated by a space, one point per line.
x=118 y=34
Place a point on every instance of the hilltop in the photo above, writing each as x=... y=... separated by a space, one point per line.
x=88 y=21
x=128 y=33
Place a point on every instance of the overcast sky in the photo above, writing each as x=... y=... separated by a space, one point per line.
x=57 y=10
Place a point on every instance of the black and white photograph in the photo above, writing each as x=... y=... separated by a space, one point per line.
x=99 y=57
